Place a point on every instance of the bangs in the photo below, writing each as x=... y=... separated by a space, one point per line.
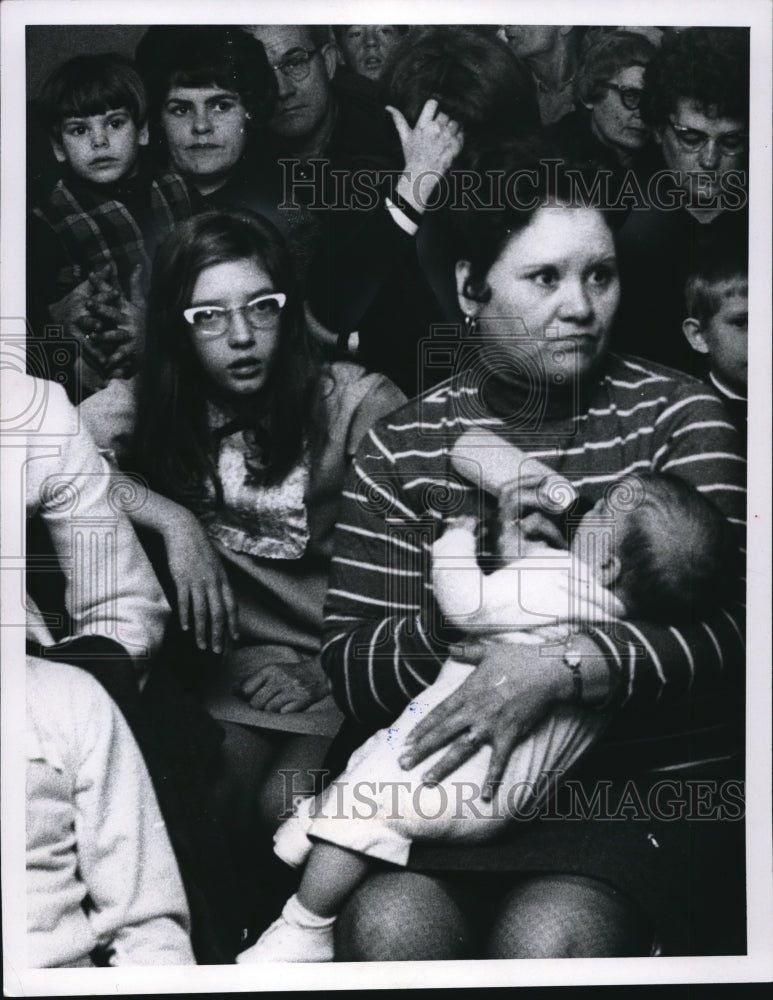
x=96 y=97
x=206 y=75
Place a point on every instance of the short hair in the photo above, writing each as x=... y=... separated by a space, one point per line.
x=681 y=576
x=173 y=440
x=475 y=77
x=709 y=66
x=606 y=56
x=714 y=263
x=224 y=56
x=91 y=85
x=483 y=233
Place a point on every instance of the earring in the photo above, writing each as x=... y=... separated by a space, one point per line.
x=470 y=325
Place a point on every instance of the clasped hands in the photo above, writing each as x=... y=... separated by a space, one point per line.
x=109 y=326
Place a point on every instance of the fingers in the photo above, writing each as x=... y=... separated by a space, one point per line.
x=183 y=603
x=427 y=112
x=199 y=610
x=458 y=753
x=469 y=652
x=500 y=754
x=231 y=609
x=135 y=287
x=440 y=727
x=402 y=126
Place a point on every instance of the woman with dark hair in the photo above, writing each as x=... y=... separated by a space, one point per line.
x=210 y=91
x=588 y=874
x=244 y=437
x=386 y=274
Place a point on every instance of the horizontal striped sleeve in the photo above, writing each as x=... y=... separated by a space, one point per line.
x=383 y=644
x=694 y=441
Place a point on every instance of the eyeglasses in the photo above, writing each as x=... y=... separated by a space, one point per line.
x=213 y=321
x=630 y=97
x=297 y=65
x=731 y=143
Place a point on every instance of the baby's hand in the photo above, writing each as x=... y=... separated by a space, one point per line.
x=464 y=522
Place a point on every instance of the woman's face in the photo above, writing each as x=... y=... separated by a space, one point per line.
x=554 y=293
x=238 y=360
x=206 y=133
x=616 y=126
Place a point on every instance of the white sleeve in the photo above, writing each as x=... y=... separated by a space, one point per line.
x=457 y=581
x=111 y=588
x=126 y=860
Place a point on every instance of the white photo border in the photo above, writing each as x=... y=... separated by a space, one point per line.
x=757 y=965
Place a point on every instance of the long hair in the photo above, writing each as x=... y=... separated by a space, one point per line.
x=173 y=441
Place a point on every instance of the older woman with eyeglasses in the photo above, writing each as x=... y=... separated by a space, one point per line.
x=606 y=125
x=696 y=101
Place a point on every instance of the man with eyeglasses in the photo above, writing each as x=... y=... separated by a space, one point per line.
x=317 y=116
x=313 y=115
x=696 y=100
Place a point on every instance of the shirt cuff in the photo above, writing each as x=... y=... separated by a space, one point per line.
x=400 y=218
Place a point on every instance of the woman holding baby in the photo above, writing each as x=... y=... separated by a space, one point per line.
x=540 y=290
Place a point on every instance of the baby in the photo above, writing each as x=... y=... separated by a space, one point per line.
x=652 y=547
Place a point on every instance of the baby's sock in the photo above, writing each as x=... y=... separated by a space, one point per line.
x=297 y=936
x=297 y=915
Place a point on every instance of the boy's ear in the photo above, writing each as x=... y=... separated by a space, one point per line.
x=609 y=570
x=693 y=331
x=468 y=306
x=58 y=149
x=142 y=135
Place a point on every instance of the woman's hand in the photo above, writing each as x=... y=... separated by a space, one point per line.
x=429 y=149
x=204 y=595
x=512 y=689
x=281 y=687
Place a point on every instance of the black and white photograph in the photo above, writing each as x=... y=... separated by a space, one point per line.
x=386 y=509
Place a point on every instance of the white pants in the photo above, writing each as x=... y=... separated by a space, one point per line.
x=376 y=808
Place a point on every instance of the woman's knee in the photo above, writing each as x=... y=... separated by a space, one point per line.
x=565 y=916
x=403 y=916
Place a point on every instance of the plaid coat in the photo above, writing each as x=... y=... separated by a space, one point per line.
x=80 y=228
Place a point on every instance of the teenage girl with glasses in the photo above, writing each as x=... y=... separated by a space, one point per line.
x=245 y=436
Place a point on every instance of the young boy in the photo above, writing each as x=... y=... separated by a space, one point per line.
x=103 y=887
x=716 y=297
x=91 y=240
x=652 y=547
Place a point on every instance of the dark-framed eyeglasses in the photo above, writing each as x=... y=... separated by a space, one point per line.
x=259 y=313
x=630 y=97
x=297 y=65
x=693 y=139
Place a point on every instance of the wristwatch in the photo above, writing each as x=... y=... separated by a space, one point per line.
x=572 y=659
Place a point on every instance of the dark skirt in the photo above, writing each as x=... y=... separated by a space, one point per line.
x=673 y=843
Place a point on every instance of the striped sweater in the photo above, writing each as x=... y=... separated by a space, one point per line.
x=384 y=640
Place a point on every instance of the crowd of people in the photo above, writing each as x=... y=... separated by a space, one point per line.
x=406 y=367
